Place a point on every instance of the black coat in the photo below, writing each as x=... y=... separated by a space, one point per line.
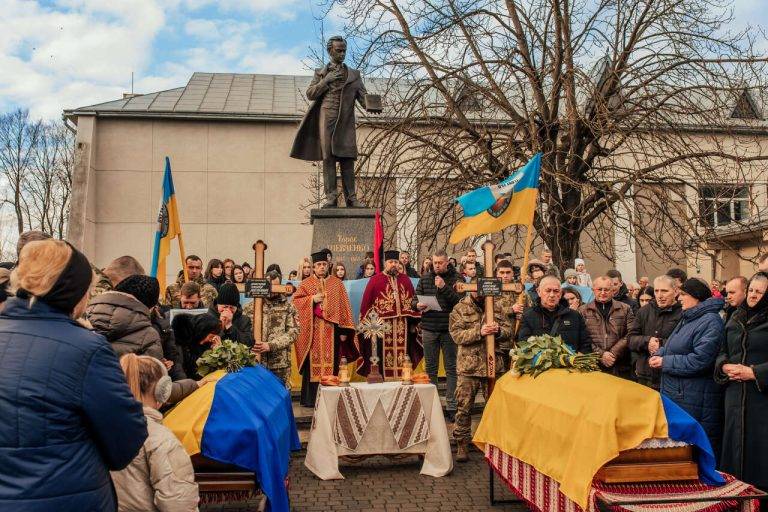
x=170 y=351
x=241 y=330
x=745 y=437
x=623 y=296
x=447 y=297
x=568 y=324
x=651 y=321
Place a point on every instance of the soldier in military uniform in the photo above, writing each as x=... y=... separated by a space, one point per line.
x=281 y=328
x=194 y=266
x=511 y=308
x=468 y=331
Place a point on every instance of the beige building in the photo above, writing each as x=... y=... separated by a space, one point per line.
x=228 y=137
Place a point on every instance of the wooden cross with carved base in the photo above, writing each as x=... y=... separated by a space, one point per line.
x=259 y=289
x=489 y=287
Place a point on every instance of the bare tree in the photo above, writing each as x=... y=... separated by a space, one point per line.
x=36 y=161
x=19 y=137
x=631 y=103
x=48 y=188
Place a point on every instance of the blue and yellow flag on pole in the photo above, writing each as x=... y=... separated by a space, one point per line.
x=168 y=228
x=493 y=208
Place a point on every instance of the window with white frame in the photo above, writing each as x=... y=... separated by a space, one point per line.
x=722 y=204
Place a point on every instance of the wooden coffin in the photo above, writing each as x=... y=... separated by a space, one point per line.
x=220 y=483
x=658 y=464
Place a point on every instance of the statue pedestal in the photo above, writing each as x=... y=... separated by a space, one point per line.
x=347 y=232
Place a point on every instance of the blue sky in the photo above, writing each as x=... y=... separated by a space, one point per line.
x=69 y=53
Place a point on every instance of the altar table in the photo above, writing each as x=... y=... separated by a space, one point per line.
x=378 y=419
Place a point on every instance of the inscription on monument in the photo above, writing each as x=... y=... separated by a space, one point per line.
x=348 y=233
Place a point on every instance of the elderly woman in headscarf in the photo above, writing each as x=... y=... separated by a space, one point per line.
x=742 y=367
x=68 y=415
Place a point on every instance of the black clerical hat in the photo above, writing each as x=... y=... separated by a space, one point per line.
x=391 y=255
x=321 y=255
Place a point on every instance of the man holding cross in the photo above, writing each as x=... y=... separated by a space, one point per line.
x=326 y=328
x=281 y=328
x=388 y=297
x=469 y=330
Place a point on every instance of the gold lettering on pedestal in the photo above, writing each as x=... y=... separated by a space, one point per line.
x=348 y=243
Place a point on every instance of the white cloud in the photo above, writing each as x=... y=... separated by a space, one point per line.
x=75 y=53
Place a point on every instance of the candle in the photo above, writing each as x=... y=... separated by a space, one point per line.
x=343 y=372
x=407 y=370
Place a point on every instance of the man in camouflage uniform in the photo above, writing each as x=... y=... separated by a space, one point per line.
x=103 y=283
x=194 y=266
x=510 y=307
x=280 y=328
x=468 y=331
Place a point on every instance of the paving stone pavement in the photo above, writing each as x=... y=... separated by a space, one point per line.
x=379 y=484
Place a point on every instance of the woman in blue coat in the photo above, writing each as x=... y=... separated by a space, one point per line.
x=68 y=416
x=687 y=359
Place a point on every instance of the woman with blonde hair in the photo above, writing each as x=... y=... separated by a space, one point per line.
x=160 y=477
x=68 y=415
x=304 y=269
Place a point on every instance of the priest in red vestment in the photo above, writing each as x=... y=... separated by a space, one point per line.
x=326 y=328
x=388 y=297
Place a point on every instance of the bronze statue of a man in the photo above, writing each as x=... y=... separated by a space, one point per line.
x=327 y=131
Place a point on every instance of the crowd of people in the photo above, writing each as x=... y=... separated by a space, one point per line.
x=86 y=370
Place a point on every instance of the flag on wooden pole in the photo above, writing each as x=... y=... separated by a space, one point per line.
x=168 y=228
x=492 y=208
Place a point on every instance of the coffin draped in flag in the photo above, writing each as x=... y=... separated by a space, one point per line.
x=493 y=208
x=568 y=425
x=243 y=418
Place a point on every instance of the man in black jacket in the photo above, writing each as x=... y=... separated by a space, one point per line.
x=652 y=325
x=551 y=315
x=434 y=324
x=735 y=295
x=405 y=259
x=621 y=292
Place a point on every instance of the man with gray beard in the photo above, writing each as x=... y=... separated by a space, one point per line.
x=388 y=299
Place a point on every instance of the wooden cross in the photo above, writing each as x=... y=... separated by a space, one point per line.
x=489 y=289
x=259 y=289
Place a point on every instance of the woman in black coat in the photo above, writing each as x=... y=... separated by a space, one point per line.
x=743 y=367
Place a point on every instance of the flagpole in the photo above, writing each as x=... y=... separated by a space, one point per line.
x=183 y=257
x=524 y=271
x=526 y=253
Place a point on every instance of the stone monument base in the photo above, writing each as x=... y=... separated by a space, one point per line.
x=347 y=232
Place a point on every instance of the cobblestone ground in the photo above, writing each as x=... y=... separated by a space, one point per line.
x=383 y=485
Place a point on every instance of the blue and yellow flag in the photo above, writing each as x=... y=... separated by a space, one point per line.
x=493 y=208
x=168 y=228
x=243 y=418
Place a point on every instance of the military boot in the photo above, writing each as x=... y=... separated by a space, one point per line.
x=462 y=454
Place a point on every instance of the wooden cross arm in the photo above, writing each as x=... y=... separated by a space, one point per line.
x=506 y=287
x=283 y=289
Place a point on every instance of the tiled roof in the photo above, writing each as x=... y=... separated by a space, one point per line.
x=228 y=94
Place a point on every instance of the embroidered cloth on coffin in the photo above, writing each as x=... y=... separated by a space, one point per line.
x=542 y=494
